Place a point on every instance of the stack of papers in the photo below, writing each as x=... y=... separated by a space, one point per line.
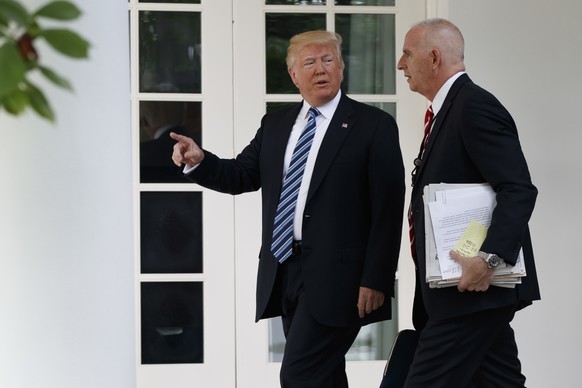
x=456 y=218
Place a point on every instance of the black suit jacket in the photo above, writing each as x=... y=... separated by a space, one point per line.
x=353 y=213
x=474 y=139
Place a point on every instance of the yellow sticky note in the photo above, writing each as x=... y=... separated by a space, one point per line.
x=471 y=239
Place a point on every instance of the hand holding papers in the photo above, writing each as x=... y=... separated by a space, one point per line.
x=471 y=239
x=456 y=218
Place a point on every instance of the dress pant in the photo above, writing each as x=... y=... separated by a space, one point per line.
x=314 y=354
x=476 y=350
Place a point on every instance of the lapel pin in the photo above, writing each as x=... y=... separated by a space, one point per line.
x=344 y=125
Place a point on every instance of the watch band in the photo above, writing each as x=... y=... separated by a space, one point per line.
x=491 y=259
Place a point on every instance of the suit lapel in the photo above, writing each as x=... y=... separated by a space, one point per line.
x=341 y=124
x=280 y=139
x=438 y=122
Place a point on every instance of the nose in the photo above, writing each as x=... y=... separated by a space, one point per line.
x=319 y=68
x=400 y=64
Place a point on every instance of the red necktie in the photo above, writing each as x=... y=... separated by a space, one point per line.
x=428 y=119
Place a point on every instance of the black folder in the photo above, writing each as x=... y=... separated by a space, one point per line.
x=400 y=359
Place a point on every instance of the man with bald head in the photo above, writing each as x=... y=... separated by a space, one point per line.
x=465 y=334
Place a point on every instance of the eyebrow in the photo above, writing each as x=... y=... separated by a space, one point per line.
x=313 y=57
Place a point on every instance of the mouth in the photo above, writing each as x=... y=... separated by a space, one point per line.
x=321 y=83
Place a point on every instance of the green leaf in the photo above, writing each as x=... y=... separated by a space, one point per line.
x=39 y=103
x=55 y=78
x=12 y=10
x=60 y=10
x=3 y=22
x=16 y=102
x=12 y=68
x=66 y=42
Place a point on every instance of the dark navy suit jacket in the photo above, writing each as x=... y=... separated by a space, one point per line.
x=474 y=140
x=353 y=214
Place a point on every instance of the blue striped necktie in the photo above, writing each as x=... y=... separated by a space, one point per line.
x=282 y=242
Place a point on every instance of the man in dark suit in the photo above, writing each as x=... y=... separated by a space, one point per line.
x=347 y=220
x=465 y=332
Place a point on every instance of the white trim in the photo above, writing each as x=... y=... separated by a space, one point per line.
x=437 y=9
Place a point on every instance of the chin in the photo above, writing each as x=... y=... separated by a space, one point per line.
x=411 y=85
x=323 y=99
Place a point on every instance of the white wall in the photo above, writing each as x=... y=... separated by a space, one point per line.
x=66 y=258
x=527 y=52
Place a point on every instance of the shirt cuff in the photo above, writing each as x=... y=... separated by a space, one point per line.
x=188 y=169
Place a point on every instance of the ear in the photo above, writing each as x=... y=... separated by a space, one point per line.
x=436 y=57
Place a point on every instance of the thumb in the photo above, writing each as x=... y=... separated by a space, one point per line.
x=456 y=256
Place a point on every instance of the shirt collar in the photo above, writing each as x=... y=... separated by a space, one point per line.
x=326 y=110
x=439 y=99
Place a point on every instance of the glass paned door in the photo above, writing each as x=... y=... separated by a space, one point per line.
x=184 y=241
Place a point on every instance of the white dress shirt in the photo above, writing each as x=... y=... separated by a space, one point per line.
x=439 y=98
x=322 y=123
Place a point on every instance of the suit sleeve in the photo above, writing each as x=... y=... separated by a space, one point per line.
x=232 y=176
x=491 y=139
x=386 y=190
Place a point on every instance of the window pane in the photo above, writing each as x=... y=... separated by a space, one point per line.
x=374 y=341
x=279 y=29
x=157 y=120
x=369 y=52
x=389 y=107
x=169 y=52
x=171 y=1
x=172 y=323
x=273 y=106
x=171 y=232
x=296 y=2
x=366 y=2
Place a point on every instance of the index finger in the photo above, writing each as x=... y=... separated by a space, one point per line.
x=177 y=137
